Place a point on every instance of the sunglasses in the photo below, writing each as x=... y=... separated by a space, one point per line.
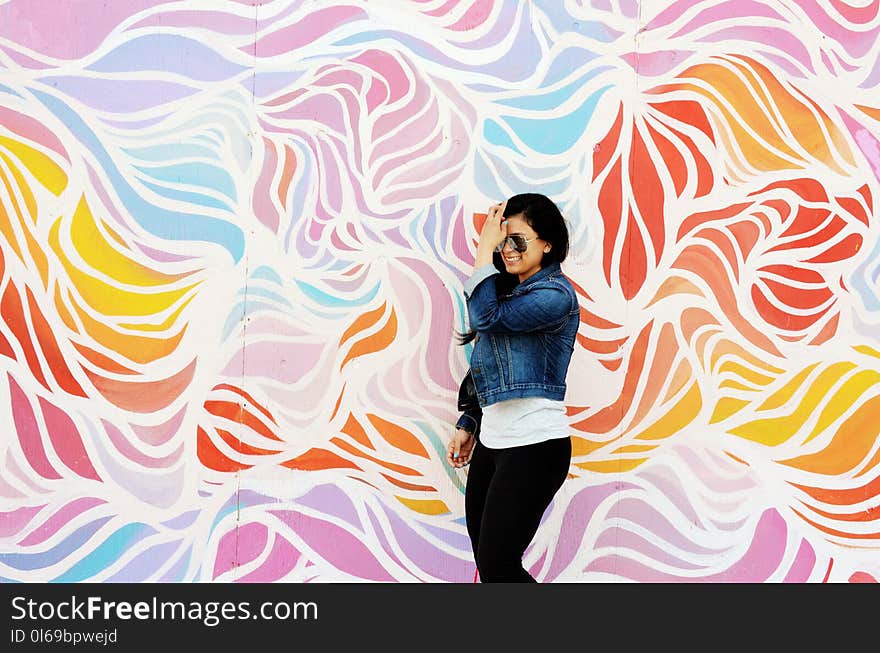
x=517 y=242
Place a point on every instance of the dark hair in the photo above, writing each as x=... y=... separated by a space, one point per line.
x=542 y=215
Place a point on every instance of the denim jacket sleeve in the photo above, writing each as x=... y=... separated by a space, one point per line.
x=470 y=420
x=539 y=308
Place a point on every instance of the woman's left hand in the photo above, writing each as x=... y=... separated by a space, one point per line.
x=494 y=228
x=492 y=234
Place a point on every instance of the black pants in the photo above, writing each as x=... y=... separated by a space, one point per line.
x=506 y=495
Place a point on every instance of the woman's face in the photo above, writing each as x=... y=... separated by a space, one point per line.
x=523 y=264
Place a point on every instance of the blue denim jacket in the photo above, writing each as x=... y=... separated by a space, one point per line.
x=524 y=339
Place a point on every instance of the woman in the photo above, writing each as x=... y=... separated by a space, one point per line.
x=523 y=315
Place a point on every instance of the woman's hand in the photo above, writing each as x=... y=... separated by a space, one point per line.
x=461 y=446
x=493 y=232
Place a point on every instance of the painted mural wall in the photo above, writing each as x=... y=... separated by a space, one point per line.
x=234 y=236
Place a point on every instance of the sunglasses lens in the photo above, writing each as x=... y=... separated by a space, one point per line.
x=506 y=241
x=517 y=244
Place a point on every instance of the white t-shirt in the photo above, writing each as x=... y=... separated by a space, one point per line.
x=515 y=422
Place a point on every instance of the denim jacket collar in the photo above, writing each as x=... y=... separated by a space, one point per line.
x=543 y=273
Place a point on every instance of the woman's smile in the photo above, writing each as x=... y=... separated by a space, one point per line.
x=523 y=264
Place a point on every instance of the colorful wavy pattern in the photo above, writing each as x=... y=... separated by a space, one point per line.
x=233 y=244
